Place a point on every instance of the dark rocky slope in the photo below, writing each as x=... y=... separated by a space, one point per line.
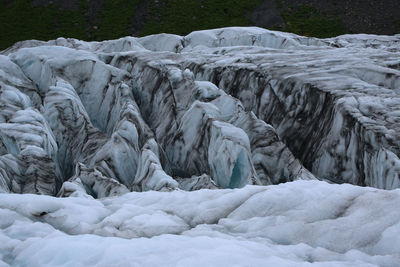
x=109 y=19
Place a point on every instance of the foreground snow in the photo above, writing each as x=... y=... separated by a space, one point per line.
x=301 y=223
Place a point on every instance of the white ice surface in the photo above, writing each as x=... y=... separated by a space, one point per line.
x=302 y=223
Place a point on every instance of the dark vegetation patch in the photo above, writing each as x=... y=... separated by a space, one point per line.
x=115 y=19
x=110 y=19
x=184 y=16
x=308 y=21
x=20 y=20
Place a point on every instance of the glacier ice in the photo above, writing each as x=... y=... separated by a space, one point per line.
x=105 y=125
x=241 y=105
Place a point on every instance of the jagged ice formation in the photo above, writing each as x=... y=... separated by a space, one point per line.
x=239 y=105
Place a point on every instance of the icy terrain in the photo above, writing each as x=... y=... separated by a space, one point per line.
x=90 y=122
x=302 y=223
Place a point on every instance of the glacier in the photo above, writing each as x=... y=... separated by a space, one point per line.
x=106 y=139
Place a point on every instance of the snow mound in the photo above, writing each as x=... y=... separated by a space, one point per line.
x=301 y=223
